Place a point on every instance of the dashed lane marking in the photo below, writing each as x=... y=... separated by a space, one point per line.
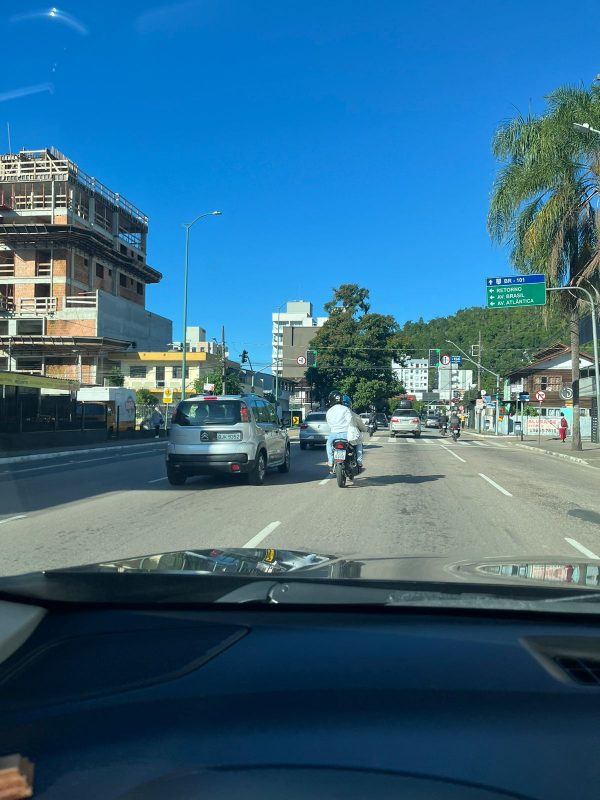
x=452 y=453
x=574 y=543
x=494 y=484
x=262 y=534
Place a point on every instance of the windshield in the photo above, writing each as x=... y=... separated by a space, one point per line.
x=198 y=370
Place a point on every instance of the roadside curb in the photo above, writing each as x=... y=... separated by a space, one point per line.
x=564 y=456
x=63 y=453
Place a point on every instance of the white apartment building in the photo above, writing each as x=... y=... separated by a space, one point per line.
x=294 y=313
x=414 y=375
x=453 y=383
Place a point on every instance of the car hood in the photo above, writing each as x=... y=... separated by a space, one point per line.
x=534 y=570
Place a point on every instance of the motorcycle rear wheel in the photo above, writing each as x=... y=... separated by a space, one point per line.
x=340 y=475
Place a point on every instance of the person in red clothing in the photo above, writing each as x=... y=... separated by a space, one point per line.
x=562 y=430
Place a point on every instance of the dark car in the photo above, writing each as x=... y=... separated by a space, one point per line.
x=382 y=421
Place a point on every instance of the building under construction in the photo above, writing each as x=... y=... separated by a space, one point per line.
x=73 y=271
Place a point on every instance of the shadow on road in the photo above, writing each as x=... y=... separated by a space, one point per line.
x=585 y=514
x=387 y=480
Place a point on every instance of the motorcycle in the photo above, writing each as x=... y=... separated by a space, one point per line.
x=371 y=428
x=344 y=462
x=443 y=429
x=455 y=431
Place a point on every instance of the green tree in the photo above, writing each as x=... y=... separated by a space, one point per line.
x=269 y=397
x=541 y=203
x=116 y=377
x=144 y=397
x=355 y=350
x=233 y=383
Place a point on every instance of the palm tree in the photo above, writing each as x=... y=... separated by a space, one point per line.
x=541 y=202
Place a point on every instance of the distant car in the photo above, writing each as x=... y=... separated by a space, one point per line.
x=382 y=421
x=314 y=429
x=405 y=420
x=432 y=421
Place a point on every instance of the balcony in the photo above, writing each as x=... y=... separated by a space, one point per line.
x=81 y=300
x=36 y=305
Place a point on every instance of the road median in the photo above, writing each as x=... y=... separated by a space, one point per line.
x=46 y=455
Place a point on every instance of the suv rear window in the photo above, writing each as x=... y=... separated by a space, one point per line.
x=405 y=412
x=199 y=413
x=315 y=417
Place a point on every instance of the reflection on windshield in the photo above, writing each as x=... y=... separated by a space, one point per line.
x=582 y=574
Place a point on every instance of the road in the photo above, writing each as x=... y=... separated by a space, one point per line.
x=466 y=500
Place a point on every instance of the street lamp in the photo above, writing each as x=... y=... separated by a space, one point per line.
x=485 y=369
x=187 y=226
x=584 y=126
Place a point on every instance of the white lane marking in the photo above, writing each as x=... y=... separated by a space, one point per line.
x=581 y=548
x=15 y=472
x=262 y=534
x=480 y=444
x=494 y=484
x=452 y=453
x=324 y=481
x=11 y=519
x=156 y=480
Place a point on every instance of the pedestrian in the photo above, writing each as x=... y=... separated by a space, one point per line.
x=563 y=425
x=156 y=420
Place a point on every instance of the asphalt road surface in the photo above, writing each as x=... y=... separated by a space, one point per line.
x=429 y=496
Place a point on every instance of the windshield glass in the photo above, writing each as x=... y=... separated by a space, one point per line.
x=194 y=198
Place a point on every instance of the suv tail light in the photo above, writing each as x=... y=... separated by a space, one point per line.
x=415 y=420
x=244 y=414
x=395 y=419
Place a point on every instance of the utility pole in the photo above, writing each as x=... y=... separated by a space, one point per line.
x=479 y=366
x=224 y=362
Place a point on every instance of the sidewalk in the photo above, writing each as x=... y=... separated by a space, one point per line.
x=589 y=456
x=21 y=456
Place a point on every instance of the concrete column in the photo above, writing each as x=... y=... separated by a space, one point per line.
x=92 y=211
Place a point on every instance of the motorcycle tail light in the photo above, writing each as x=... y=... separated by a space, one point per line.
x=339 y=446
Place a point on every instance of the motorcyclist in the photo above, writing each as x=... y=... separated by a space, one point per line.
x=340 y=417
x=454 y=421
x=443 y=423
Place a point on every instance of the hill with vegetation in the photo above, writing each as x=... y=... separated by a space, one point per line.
x=509 y=337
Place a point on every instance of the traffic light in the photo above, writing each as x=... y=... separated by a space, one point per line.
x=244 y=356
x=311 y=358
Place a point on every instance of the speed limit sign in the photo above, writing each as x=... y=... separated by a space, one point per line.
x=540 y=396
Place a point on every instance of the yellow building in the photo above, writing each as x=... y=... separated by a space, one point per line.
x=156 y=371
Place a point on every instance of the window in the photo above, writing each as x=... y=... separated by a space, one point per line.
x=177 y=373
x=123 y=280
x=29 y=364
x=99 y=271
x=203 y=413
x=30 y=327
x=140 y=287
x=7 y=264
x=160 y=377
x=43 y=263
x=137 y=372
x=4 y=363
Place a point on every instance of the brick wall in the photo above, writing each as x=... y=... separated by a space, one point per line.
x=71 y=327
x=82 y=270
x=25 y=264
x=130 y=293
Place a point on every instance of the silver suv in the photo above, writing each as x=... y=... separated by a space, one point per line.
x=232 y=434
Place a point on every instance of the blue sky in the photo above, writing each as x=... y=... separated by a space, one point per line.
x=343 y=141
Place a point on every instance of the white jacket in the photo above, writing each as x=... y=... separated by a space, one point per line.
x=339 y=418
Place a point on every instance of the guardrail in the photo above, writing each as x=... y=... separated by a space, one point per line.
x=36 y=305
x=85 y=299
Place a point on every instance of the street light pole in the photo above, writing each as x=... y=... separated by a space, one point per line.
x=187 y=226
x=480 y=366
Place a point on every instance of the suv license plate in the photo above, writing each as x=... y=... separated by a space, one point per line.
x=228 y=437
x=339 y=455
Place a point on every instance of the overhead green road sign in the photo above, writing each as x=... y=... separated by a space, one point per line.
x=516 y=292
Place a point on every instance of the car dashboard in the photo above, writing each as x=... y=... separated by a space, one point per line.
x=266 y=702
